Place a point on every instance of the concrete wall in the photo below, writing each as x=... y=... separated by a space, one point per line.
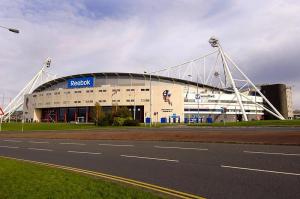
x=277 y=95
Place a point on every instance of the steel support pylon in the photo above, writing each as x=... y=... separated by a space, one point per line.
x=228 y=75
x=41 y=77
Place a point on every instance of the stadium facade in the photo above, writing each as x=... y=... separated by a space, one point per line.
x=164 y=99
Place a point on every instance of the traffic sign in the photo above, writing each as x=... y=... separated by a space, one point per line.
x=1 y=111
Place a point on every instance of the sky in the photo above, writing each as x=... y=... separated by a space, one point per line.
x=85 y=36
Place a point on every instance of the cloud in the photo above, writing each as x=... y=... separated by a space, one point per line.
x=96 y=36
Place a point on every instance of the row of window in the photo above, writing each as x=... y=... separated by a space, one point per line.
x=220 y=110
x=87 y=101
x=90 y=101
x=90 y=91
x=231 y=101
x=222 y=101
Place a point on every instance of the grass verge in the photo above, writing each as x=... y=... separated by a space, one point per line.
x=254 y=123
x=17 y=126
x=25 y=180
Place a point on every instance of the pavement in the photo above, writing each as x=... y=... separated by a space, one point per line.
x=210 y=170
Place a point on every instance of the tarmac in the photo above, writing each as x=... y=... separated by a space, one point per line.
x=210 y=170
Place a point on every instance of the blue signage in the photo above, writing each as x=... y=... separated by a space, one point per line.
x=81 y=82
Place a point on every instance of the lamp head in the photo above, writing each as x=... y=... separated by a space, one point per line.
x=214 y=42
x=48 y=62
x=14 y=30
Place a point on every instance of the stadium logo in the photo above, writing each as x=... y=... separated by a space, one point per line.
x=167 y=96
x=81 y=82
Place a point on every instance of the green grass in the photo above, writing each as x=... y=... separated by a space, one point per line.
x=254 y=123
x=17 y=126
x=25 y=180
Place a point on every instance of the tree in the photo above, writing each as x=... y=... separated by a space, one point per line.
x=122 y=112
x=98 y=114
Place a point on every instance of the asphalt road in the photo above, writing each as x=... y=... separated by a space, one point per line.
x=207 y=170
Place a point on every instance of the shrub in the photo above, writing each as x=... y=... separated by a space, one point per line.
x=118 y=121
x=121 y=112
x=131 y=123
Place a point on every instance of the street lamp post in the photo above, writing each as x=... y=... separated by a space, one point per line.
x=11 y=29
x=188 y=98
x=134 y=106
x=198 y=98
x=150 y=98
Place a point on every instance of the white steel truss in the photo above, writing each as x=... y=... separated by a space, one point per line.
x=41 y=77
x=228 y=77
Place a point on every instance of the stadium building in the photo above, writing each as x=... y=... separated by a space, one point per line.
x=163 y=99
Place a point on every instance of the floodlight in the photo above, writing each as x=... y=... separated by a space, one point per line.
x=48 y=62
x=214 y=42
x=13 y=30
x=216 y=74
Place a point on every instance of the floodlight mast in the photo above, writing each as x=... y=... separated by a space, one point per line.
x=41 y=77
x=277 y=113
x=214 y=42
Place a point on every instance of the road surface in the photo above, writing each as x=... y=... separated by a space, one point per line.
x=209 y=170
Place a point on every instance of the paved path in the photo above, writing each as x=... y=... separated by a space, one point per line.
x=208 y=170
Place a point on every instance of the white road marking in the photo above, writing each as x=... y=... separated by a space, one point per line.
x=12 y=140
x=260 y=170
x=174 y=147
x=149 y=158
x=93 y=153
x=10 y=147
x=270 y=153
x=35 y=142
x=36 y=149
x=71 y=143
x=125 y=145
